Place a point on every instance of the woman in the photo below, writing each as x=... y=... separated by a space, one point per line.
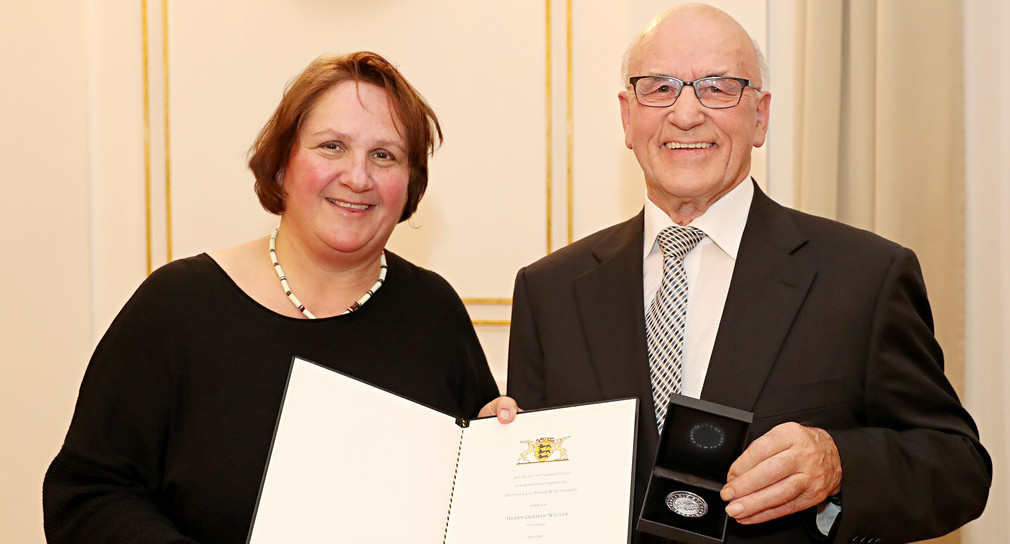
x=176 y=412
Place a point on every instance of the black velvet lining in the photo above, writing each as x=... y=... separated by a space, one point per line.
x=699 y=443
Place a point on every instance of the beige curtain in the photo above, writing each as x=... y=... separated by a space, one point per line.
x=880 y=133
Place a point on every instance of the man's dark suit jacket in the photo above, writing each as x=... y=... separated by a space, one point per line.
x=824 y=325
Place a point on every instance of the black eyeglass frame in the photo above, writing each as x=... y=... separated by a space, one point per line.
x=743 y=82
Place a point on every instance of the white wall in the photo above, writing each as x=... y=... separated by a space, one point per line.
x=45 y=302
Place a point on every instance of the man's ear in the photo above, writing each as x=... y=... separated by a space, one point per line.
x=625 y=116
x=761 y=113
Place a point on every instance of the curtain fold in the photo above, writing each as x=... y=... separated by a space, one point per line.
x=819 y=76
x=880 y=137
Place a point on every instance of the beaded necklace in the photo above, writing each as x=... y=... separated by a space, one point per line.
x=298 y=304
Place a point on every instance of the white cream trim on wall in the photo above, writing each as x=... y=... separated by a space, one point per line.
x=987 y=326
x=117 y=149
x=781 y=141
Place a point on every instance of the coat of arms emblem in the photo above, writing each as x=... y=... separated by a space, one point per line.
x=543 y=450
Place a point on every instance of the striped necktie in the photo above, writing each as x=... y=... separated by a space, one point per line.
x=667 y=316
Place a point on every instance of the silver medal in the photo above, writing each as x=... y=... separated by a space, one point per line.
x=686 y=504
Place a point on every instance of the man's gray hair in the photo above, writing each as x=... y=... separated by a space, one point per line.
x=763 y=71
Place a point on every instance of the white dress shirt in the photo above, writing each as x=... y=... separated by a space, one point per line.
x=723 y=225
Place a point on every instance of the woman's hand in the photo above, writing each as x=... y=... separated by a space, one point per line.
x=504 y=407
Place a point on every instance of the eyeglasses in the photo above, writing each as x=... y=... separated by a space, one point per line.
x=713 y=92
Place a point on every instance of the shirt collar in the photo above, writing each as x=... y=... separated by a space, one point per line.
x=723 y=222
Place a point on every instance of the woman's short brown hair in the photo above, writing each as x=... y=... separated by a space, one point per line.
x=269 y=154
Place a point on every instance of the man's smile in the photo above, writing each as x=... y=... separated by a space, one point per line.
x=678 y=145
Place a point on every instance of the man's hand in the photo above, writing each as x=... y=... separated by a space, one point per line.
x=504 y=407
x=789 y=469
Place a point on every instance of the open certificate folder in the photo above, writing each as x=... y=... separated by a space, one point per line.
x=354 y=463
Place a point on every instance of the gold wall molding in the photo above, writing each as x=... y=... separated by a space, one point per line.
x=166 y=111
x=569 y=118
x=487 y=301
x=168 y=132
x=491 y=322
x=550 y=123
x=549 y=136
x=167 y=150
x=147 y=131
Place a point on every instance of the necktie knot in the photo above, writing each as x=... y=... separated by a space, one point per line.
x=676 y=241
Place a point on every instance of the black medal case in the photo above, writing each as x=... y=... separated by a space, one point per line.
x=700 y=441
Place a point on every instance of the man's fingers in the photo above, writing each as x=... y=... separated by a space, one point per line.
x=789 y=469
x=760 y=477
x=768 y=514
x=781 y=498
x=768 y=446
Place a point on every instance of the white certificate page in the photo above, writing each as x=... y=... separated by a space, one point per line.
x=353 y=463
x=557 y=475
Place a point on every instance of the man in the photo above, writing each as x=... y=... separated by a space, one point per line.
x=821 y=330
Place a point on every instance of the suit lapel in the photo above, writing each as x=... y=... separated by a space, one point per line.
x=770 y=281
x=610 y=305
